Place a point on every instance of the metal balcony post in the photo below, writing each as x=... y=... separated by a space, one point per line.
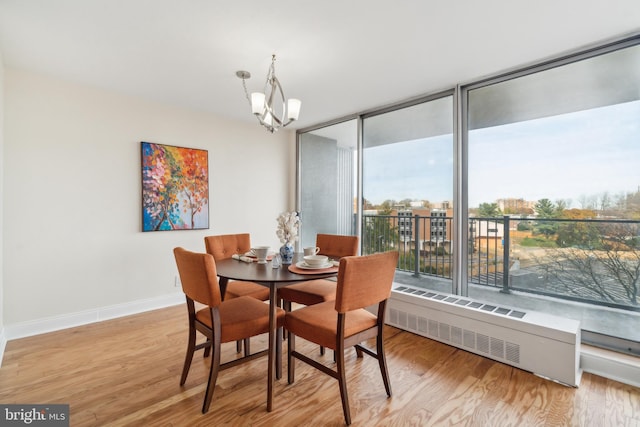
x=505 y=256
x=416 y=239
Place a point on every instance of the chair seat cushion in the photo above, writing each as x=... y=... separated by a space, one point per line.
x=239 y=288
x=318 y=323
x=241 y=317
x=309 y=293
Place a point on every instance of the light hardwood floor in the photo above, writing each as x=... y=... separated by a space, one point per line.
x=126 y=372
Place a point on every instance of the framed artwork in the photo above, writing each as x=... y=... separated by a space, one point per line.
x=175 y=188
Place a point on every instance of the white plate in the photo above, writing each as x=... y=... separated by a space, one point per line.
x=303 y=265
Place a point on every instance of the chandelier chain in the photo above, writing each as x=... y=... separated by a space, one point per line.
x=246 y=92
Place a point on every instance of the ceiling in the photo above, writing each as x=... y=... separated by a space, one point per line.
x=338 y=56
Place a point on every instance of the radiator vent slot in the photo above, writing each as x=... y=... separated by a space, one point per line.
x=456 y=335
x=433 y=328
x=513 y=352
x=444 y=331
x=482 y=343
x=393 y=316
x=402 y=318
x=423 y=325
x=462 y=301
x=497 y=347
x=412 y=322
x=469 y=338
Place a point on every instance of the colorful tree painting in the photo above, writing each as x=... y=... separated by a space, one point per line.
x=175 y=188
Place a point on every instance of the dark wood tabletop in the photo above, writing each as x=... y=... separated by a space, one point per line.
x=232 y=269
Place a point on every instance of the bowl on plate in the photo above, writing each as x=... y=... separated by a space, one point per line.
x=316 y=260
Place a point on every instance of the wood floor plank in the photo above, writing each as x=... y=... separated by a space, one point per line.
x=126 y=372
x=589 y=404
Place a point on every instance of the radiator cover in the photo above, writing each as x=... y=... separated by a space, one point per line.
x=546 y=345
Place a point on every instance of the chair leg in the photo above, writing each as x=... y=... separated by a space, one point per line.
x=213 y=375
x=247 y=348
x=191 y=347
x=238 y=346
x=207 y=349
x=342 y=382
x=291 y=346
x=382 y=361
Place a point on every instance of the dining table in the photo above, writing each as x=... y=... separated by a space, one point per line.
x=273 y=278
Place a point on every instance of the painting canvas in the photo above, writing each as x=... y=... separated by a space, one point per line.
x=175 y=188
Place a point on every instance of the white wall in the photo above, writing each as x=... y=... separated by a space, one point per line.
x=72 y=195
x=2 y=334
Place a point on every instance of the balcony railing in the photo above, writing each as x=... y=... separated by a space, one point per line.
x=588 y=260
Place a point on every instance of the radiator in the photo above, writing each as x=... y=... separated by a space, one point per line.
x=546 y=345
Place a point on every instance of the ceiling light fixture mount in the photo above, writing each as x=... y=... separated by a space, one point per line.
x=262 y=103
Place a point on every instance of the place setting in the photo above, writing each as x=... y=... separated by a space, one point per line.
x=312 y=263
x=259 y=254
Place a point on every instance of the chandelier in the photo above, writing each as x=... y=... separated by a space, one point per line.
x=272 y=117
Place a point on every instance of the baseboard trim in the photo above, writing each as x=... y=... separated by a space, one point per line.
x=56 y=323
x=3 y=344
x=610 y=364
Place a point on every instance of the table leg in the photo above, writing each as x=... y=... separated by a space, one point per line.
x=278 y=353
x=223 y=286
x=272 y=344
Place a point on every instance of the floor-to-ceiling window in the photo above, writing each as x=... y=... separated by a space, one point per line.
x=407 y=187
x=535 y=203
x=554 y=170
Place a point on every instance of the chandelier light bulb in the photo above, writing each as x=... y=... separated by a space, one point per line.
x=293 y=108
x=257 y=103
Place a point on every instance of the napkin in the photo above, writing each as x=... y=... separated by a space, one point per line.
x=242 y=258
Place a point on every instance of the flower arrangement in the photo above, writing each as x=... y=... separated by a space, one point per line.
x=288 y=225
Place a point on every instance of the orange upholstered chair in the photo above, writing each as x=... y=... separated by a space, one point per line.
x=316 y=291
x=363 y=281
x=321 y=290
x=224 y=247
x=220 y=321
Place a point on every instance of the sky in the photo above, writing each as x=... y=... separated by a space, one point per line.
x=420 y=169
x=568 y=157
